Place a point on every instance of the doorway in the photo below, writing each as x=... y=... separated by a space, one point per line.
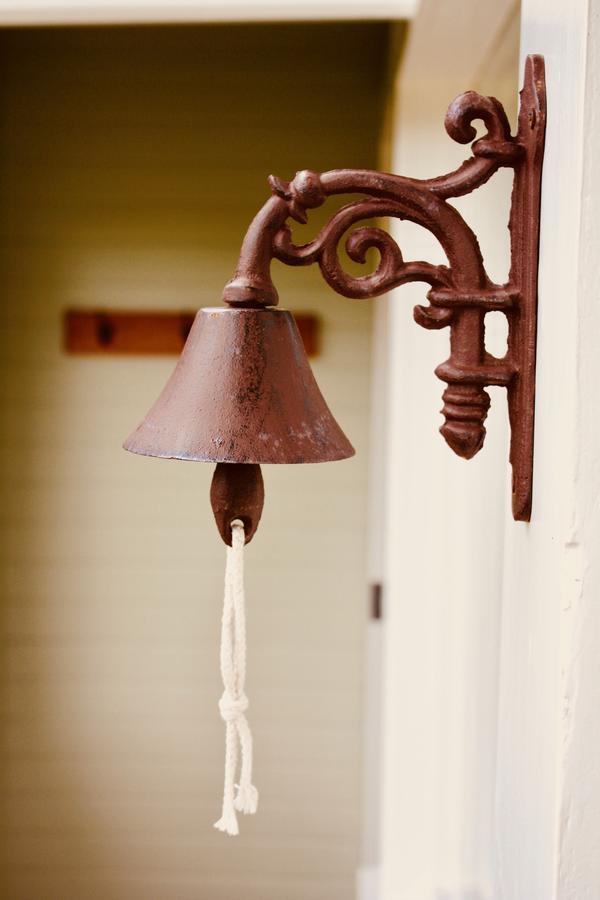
x=133 y=160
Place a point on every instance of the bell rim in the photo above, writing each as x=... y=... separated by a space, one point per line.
x=253 y=462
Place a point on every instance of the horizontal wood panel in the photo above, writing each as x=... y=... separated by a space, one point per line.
x=107 y=332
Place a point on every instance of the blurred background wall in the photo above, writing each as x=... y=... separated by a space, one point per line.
x=131 y=161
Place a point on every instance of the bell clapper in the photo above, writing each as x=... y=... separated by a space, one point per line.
x=237 y=492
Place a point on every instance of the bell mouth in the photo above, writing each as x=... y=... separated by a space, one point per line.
x=242 y=392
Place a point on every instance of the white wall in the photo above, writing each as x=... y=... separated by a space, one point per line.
x=492 y=735
x=548 y=814
x=444 y=528
x=132 y=162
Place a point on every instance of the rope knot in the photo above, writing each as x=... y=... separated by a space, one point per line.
x=232 y=708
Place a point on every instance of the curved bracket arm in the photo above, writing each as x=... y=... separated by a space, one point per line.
x=460 y=293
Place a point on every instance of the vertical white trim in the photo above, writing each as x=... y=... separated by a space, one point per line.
x=368 y=883
x=371 y=782
x=579 y=820
x=548 y=815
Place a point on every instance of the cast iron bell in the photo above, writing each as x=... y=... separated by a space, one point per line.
x=242 y=394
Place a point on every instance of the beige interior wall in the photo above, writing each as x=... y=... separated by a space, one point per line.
x=131 y=161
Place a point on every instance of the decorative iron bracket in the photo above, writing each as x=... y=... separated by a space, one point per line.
x=461 y=293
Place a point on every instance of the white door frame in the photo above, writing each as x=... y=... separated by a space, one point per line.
x=107 y=12
x=548 y=783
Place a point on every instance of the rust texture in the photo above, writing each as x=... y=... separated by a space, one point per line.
x=242 y=392
x=460 y=293
x=237 y=492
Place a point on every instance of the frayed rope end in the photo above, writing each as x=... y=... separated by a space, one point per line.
x=246 y=800
x=228 y=823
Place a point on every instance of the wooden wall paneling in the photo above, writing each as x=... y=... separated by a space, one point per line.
x=116 y=144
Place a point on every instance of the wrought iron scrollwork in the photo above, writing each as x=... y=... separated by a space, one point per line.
x=460 y=293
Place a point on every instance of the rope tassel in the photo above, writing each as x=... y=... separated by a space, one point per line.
x=242 y=797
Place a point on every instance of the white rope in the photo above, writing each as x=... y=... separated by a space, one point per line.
x=234 y=703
